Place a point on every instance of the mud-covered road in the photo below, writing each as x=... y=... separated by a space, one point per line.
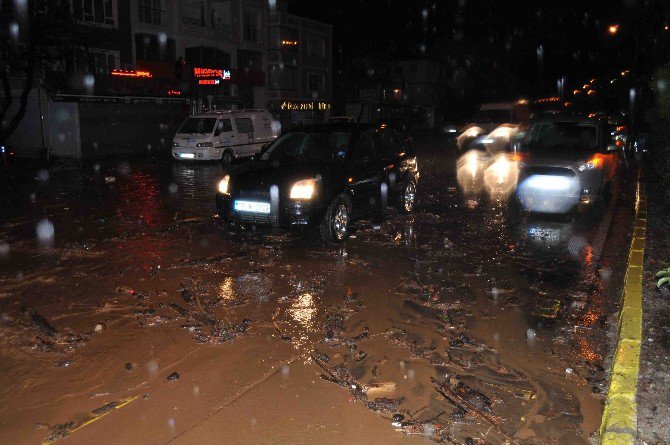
x=464 y=323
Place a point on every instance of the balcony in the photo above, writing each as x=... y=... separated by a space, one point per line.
x=150 y=15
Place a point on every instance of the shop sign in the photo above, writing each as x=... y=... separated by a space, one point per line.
x=211 y=73
x=305 y=106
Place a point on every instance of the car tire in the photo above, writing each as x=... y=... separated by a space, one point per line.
x=336 y=222
x=408 y=197
x=227 y=157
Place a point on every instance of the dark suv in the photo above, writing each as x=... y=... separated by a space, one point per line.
x=322 y=176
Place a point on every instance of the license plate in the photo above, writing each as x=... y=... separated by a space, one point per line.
x=252 y=206
x=186 y=155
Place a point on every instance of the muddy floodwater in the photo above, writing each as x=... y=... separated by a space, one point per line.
x=130 y=316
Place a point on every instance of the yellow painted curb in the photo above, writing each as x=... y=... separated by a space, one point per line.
x=619 y=422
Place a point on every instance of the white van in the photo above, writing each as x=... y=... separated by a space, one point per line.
x=224 y=135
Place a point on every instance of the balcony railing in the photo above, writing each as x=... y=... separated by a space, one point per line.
x=193 y=22
x=151 y=15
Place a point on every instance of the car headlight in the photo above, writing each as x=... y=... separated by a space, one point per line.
x=223 y=185
x=303 y=189
x=204 y=144
x=592 y=164
x=175 y=144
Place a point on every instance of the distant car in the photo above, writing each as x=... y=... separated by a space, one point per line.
x=6 y=155
x=566 y=161
x=324 y=177
x=342 y=120
x=224 y=135
x=494 y=125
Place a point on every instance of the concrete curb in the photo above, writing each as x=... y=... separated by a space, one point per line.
x=619 y=422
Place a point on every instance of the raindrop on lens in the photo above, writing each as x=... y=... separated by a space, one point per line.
x=4 y=249
x=43 y=175
x=172 y=188
x=285 y=371
x=45 y=232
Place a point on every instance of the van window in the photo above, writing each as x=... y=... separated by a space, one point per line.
x=201 y=125
x=223 y=126
x=244 y=125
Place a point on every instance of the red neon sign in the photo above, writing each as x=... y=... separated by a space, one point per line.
x=174 y=93
x=208 y=81
x=211 y=72
x=127 y=73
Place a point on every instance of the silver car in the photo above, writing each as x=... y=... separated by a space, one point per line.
x=566 y=162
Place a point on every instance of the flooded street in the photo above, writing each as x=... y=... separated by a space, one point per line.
x=465 y=323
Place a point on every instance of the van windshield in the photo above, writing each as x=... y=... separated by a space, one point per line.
x=200 y=125
x=494 y=116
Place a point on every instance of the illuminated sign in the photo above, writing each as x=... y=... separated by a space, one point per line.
x=126 y=73
x=209 y=81
x=321 y=106
x=289 y=42
x=202 y=73
x=174 y=93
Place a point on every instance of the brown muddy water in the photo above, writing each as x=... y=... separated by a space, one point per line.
x=469 y=323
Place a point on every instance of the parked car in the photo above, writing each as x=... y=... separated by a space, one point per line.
x=224 y=135
x=324 y=177
x=494 y=125
x=566 y=161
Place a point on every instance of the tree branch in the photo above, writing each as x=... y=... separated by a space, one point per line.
x=8 y=94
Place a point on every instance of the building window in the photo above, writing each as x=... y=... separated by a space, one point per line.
x=283 y=78
x=315 y=82
x=251 y=33
x=194 y=14
x=147 y=47
x=317 y=47
x=97 y=11
x=150 y=11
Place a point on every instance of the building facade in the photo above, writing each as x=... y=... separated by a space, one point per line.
x=299 y=67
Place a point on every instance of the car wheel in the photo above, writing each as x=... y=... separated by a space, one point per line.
x=408 y=197
x=335 y=224
x=227 y=157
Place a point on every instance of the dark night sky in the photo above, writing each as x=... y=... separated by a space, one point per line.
x=573 y=34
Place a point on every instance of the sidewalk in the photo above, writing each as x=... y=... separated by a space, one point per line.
x=653 y=395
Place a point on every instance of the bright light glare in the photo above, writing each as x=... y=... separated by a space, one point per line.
x=548 y=183
x=503 y=132
x=469 y=173
x=223 y=185
x=501 y=176
x=473 y=132
x=303 y=189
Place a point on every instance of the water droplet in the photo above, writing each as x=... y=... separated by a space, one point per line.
x=45 y=232
x=42 y=175
x=152 y=367
x=285 y=371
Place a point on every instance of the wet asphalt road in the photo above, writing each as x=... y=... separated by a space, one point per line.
x=472 y=321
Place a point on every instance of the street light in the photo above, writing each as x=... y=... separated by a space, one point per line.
x=613 y=29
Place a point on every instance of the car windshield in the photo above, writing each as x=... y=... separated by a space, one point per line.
x=201 y=125
x=562 y=136
x=323 y=146
x=494 y=116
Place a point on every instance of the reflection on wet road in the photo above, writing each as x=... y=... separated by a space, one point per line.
x=468 y=320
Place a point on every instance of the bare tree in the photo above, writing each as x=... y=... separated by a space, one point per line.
x=36 y=34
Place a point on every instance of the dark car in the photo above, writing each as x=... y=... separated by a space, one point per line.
x=6 y=155
x=323 y=177
x=566 y=161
